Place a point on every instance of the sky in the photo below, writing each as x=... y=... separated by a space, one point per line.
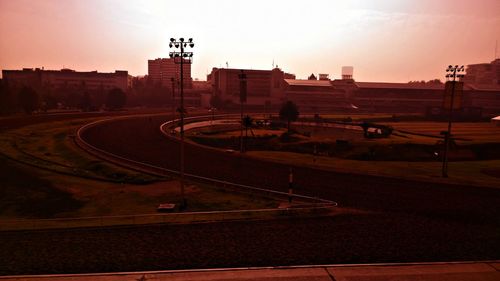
x=384 y=40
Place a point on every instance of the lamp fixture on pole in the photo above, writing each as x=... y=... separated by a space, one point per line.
x=453 y=73
x=181 y=57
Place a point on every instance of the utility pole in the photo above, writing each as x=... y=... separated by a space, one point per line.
x=243 y=98
x=181 y=58
x=173 y=97
x=447 y=134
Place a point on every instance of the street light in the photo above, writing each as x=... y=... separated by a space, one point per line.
x=452 y=74
x=243 y=98
x=181 y=57
x=173 y=97
x=212 y=110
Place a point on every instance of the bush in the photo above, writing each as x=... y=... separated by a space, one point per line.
x=287 y=137
x=28 y=100
x=115 y=99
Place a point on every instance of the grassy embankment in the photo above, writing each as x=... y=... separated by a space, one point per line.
x=45 y=175
x=481 y=136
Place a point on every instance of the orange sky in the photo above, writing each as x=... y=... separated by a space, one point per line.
x=392 y=40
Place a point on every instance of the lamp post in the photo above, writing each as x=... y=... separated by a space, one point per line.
x=181 y=57
x=447 y=134
x=212 y=110
x=243 y=98
x=173 y=97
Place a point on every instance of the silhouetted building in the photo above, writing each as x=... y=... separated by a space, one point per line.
x=323 y=76
x=67 y=78
x=315 y=95
x=264 y=87
x=414 y=97
x=488 y=100
x=483 y=75
x=397 y=97
x=199 y=95
x=162 y=70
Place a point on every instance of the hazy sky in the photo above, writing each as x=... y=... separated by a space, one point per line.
x=392 y=40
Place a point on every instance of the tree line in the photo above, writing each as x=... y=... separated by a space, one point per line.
x=142 y=92
x=22 y=98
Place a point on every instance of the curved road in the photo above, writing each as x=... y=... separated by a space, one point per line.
x=405 y=220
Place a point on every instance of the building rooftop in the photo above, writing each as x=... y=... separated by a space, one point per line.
x=241 y=69
x=67 y=71
x=301 y=82
x=495 y=61
x=384 y=85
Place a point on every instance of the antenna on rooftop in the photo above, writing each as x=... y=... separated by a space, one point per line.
x=273 y=63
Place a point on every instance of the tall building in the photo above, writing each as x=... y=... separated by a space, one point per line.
x=483 y=75
x=162 y=71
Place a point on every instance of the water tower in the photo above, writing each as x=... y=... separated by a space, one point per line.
x=347 y=72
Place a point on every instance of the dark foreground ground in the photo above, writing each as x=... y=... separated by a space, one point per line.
x=405 y=220
x=341 y=239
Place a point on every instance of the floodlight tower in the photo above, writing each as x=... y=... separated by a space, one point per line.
x=181 y=57
x=453 y=73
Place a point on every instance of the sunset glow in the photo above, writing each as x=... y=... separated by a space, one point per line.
x=384 y=40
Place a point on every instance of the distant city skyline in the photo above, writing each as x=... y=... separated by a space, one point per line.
x=391 y=40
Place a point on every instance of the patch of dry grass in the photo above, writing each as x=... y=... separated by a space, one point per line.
x=461 y=172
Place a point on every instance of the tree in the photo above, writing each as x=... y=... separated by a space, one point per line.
x=6 y=104
x=86 y=103
x=247 y=123
x=216 y=101
x=312 y=77
x=116 y=99
x=435 y=81
x=289 y=112
x=28 y=99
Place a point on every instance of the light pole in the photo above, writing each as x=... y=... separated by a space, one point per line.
x=243 y=98
x=212 y=110
x=181 y=57
x=447 y=135
x=173 y=97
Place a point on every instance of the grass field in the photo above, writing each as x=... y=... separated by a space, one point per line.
x=461 y=172
x=475 y=139
x=470 y=132
x=44 y=194
x=50 y=146
x=45 y=175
